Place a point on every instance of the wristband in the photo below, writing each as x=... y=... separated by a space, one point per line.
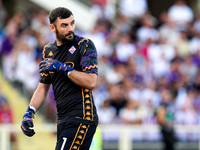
x=68 y=73
x=33 y=108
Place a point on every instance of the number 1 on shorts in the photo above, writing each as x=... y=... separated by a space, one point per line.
x=64 y=141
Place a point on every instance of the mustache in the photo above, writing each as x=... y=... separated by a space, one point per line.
x=71 y=32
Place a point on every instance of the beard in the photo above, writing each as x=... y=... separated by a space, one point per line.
x=64 y=38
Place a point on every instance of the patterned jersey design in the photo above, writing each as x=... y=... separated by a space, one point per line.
x=72 y=101
x=88 y=56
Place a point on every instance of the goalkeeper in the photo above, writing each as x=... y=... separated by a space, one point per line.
x=70 y=65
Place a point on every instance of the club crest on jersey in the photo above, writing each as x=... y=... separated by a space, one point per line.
x=72 y=49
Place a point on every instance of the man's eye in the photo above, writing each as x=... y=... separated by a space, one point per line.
x=64 y=25
x=72 y=23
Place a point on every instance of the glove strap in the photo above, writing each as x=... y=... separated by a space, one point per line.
x=65 y=68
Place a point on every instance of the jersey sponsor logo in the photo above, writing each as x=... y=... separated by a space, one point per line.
x=72 y=49
x=50 y=53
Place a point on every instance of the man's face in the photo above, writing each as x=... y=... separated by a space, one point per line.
x=64 y=29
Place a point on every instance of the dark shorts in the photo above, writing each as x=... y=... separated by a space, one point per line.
x=74 y=136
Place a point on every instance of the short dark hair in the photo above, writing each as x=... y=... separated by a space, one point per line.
x=59 y=12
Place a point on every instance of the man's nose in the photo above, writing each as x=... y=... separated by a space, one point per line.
x=70 y=28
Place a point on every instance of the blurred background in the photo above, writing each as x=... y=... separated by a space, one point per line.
x=148 y=93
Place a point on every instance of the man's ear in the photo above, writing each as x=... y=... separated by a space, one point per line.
x=52 y=27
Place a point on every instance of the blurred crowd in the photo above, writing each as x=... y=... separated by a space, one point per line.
x=6 y=116
x=141 y=57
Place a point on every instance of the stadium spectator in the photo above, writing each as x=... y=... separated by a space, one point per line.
x=124 y=48
x=132 y=113
x=168 y=28
x=197 y=23
x=180 y=13
x=133 y=9
x=194 y=43
x=147 y=31
x=116 y=97
x=40 y=21
x=3 y=15
x=103 y=9
x=182 y=45
x=107 y=113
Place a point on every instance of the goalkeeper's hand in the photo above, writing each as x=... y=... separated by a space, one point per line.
x=50 y=64
x=27 y=122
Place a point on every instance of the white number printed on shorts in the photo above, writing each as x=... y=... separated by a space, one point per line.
x=64 y=141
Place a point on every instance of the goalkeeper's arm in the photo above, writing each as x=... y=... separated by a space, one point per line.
x=37 y=100
x=39 y=95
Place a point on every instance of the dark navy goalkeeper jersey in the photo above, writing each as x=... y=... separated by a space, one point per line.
x=73 y=102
